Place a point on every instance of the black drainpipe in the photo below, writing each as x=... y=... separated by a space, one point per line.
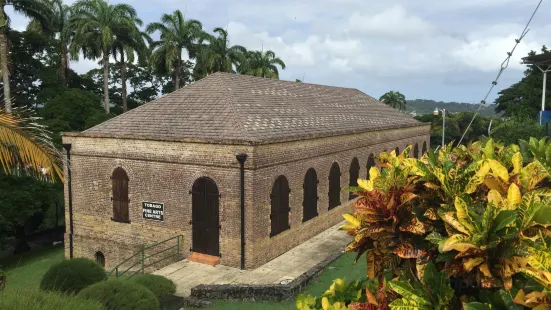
x=242 y=158
x=67 y=146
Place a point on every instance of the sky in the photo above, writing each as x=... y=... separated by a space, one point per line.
x=431 y=49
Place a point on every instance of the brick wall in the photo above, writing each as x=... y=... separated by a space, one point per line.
x=165 y=171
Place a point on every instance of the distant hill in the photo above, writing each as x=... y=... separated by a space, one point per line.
x=423 y=106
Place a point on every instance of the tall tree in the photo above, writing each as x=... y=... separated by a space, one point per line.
x=35 y=9
x=127 y=45
x=263 y=64
x=96 y=24
x=217 y=55
x=394 y=99
x=176 y=35
x=59 y=32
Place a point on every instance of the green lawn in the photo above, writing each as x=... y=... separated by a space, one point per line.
x=25 y=271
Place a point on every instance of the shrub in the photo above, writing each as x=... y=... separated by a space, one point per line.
x=466 y=227
x=71 y=276
x=159 y=285
x=121 y=294
x=40 y=300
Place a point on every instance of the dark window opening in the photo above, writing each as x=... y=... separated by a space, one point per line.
x=416 y=151
x=310 y=203
x=370 y=163
x=397 y=150
x=279 y=200
x=334 y=186
x=424 y=149
x=354 y=175
x=100 y=259
x=120 y=196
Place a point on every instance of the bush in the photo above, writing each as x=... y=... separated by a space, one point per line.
x=40 y=300
x=71 y=276
x=121 y=294
x=159 y=285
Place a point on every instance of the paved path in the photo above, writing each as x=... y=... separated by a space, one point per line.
x=288 y=266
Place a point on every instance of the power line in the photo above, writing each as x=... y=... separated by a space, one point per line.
x=504 y=66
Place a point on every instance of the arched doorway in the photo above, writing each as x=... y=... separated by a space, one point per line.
x=416 y=150
x=310 y=203
x=354 y=175
x=279 y=201
x=334 y=186
x=370 y=163
x=424 y=149
x=205 y=217
x=100 y=259
x=397 y=150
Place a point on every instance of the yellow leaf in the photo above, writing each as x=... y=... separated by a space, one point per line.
x=494 y=197
x=352 y=220
x=373 y=173
x=366 y=184
x=370 y=258
x=485 y=270
x=498 y=169
x=325 y=305
x=513 y=197
x=470 y=263
x=517 y=162
x=463 y=213
x=542 y=307
x=449 y=218
x=459 y=243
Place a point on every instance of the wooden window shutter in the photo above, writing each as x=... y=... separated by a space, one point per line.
x=120 y=195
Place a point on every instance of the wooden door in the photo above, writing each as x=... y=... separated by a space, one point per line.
x=279 y=199
x=205 y=217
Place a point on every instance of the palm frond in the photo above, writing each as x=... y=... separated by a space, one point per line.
x=26 y=147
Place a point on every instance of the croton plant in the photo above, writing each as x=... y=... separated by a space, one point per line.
x=464 y=227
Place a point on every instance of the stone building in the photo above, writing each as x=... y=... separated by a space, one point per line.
x=173 y=167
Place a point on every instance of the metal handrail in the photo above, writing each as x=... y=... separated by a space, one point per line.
x=142 y=257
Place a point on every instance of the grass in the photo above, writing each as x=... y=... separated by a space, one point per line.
x=343 y=267
x=25 y=271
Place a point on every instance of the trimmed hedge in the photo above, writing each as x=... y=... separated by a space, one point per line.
x=40 y=300
x=71 y=276
x=121 y=294
x=159 y=285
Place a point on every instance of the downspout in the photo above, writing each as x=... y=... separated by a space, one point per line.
x=67 y=147
x=241 y=158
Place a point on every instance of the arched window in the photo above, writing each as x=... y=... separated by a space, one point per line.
x=354 y=175
x=370 y=163
x=424 y=149
x=416 y=150
x=279 y=200
x=310 y=203
x=100 y=259
x=334 y=186
x=397 y=150
x=120 y=196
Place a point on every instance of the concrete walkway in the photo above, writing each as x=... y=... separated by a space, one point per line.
x=286 y=267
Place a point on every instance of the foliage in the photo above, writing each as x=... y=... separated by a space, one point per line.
x=425 y=106
x=339 y=295
x=2 y=280
x=121 y=294
x=260 y=63
x=394 y=99
x=71 y=276
x=478 y=214
x=40 y=300
x=73 y=107
x=159 y=285
x=26 y=147
x=523 y=99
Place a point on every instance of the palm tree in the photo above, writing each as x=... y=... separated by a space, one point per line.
x=126 y=47
x=35 y=9
x=394 y=99
x=263 y=64
x=96 y=24
x=26 y=147
x=176 y=34
x=58 y=27
x=217 y=55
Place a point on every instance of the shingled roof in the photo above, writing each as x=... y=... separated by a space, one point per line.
x=230 y=108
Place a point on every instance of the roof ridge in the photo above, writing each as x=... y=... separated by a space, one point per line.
x=235 y=115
